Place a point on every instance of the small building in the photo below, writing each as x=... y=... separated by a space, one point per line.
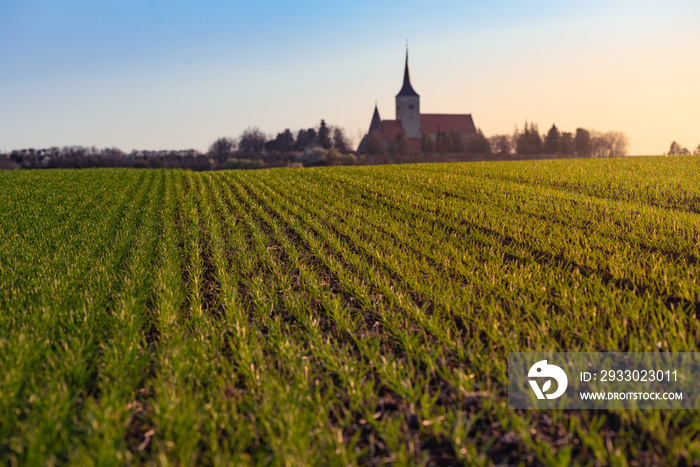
x=413 y=125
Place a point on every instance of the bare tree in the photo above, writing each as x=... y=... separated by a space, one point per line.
x=222 y=148
x=500 y=144
x=514 y=139
x=356 y=137
x=251 y=142
x=620 y=144
x=599 y=147
x=610 y=144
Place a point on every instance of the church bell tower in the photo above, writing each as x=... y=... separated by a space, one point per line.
x=408 y=106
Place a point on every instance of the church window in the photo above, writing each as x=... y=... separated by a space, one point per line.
x=410 y=107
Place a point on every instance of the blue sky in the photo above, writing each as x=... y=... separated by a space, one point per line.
x=179 y=74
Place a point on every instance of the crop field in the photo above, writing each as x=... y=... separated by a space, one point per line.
x=335 y=316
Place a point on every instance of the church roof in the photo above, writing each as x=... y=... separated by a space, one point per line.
x=374 y=126
x=388 y=130
x=407 y=89
x=460 y=123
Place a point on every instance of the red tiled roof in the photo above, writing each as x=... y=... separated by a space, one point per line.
x=388 y=130
x=461 y=123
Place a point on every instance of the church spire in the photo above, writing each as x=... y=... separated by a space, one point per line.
x=407 y=89
x=376 y=121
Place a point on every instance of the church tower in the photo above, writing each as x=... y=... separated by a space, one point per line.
x=408 y=106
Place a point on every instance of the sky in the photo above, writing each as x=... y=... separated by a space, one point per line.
x=179 y=74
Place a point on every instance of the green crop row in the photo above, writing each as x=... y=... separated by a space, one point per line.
x=335 y=316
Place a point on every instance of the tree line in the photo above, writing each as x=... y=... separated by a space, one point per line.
x=527 y=142
x=581 y=143
x=323 y=145
x=80 y=157
x=678 y=150
x=329 y=145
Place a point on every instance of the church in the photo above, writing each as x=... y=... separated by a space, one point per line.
x=414 y=125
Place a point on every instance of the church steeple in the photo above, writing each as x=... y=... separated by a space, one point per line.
x=408 y=105
x=374 y=126
x=407 y=89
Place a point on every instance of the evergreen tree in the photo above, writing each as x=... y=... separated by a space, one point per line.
x=455 y=141
x=529 y=141
x=375 y=144
x=284 y=142
x=301 y=140
x=401 y=143
x=324 y=136
x=312 y=138
x=567 y=143
x=479 y=144
x=305 y=138
x=340 y=141
x=426 y=144
x=552 y=142
x=677 y=150
x=442 y=142
x=583 y=146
